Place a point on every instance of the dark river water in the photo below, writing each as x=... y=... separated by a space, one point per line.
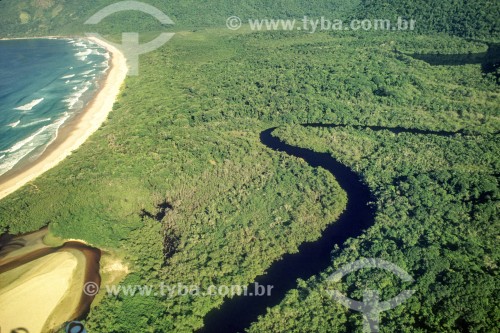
x=236 y=314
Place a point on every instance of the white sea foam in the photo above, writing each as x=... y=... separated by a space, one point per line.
x=22 y=143
x=74 y=98
x=14 y=124
x=30 y=105
x=82 y=55
x=69 y=76
x=105 y=63
x=35 y=122
x=80 y=44
x=23 y=148
x=96 y=52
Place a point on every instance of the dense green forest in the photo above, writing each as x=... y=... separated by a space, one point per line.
x=45 y=17
x=437 y=217
x=477 y=18
x=186 y=132
x=466 y=18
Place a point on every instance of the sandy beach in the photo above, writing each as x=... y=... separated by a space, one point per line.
x=73 y=135
x=38 y=289
x=41 y=286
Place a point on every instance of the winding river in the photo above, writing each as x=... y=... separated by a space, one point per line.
x=237 y=314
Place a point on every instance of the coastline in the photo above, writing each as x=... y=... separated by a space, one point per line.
x=78 y=130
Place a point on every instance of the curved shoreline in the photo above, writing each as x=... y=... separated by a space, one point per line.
x=73 y=135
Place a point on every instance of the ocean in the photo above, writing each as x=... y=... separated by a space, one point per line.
x=44 y=83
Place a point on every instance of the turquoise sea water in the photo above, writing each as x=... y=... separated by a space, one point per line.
x=43 y=84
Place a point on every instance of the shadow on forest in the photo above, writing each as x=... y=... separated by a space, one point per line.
x=489 y=61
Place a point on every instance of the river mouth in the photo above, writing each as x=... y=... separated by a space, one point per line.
x=41 y=287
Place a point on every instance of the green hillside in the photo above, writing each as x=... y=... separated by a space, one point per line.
x=478 y=18
x=465 y=18
x=45 y=17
